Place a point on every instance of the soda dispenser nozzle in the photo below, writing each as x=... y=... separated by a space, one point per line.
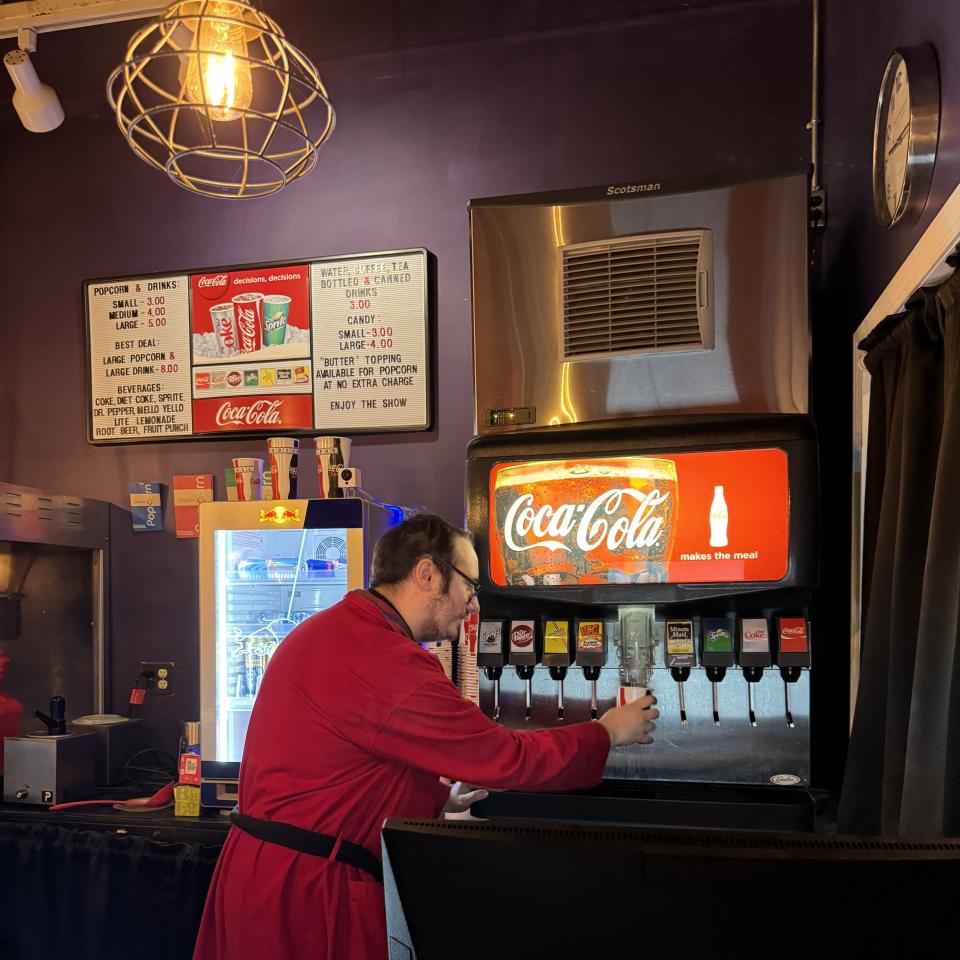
x=636 y=645
x=490 y=656
x=522 y=654
x=716 y=655
x=493 y=674
x=754 y=656
x=680 y=657
x=793 y=655
x=556 y=654
x=591 y=655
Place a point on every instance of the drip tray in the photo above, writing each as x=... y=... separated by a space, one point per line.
x=728 y=806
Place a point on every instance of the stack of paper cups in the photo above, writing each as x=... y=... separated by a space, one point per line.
x=443 y=651
x=332 y=452
x=249 y=474
x=468 y=675
x=283 y=454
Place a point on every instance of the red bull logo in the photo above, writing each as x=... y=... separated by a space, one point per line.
x=280 y=515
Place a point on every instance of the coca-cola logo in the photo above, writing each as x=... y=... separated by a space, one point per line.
x=798 y=631
x=247 y=328
x=588 y=523
x=256 y=414
x=521 y=636
x=213 y=286
x=234 y=378
x=754 y=634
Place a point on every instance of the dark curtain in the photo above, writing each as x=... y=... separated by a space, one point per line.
x=84 y=895
x=903 y=763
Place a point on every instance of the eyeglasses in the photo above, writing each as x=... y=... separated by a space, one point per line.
x=474 y=584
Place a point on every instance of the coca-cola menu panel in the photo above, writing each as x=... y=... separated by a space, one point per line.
x=711 y=517
x=338 y=344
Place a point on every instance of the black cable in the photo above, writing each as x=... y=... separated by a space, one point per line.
x=144 y=776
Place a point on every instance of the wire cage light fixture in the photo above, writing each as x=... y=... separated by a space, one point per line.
x=213 y=94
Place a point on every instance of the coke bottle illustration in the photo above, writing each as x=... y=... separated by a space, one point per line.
x=718 y=519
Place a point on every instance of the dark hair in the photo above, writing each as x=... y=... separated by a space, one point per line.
x=399 y=549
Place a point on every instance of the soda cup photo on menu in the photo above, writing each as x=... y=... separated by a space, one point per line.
x=332 y=452
x=276 y=313
x=225 y=328
x=283 y=453
x=249 y=313
x=249 y=476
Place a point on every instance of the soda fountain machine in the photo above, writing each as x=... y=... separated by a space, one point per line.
x=663 y=555
x=643 y=486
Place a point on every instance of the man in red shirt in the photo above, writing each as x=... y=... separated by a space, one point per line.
x=354 y=722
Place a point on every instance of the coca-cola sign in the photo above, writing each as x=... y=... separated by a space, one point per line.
x=213 y=286
x=588 y=525
x=260 y=413
x=640 y=519
x=252 y=413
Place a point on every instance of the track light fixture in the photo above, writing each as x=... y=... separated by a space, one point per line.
x=37 y=104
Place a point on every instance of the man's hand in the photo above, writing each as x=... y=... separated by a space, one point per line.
x=462 y=796
x=633 y=722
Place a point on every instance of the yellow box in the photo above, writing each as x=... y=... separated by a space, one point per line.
x=186 y=801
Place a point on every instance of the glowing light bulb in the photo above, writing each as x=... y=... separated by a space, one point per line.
x=218 y=72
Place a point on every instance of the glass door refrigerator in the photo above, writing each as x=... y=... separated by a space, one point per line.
x=265 y=566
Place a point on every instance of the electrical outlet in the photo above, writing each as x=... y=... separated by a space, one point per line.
x=158 y=677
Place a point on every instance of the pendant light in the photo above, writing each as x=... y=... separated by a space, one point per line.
x=214 y=94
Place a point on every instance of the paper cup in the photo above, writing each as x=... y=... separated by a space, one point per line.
x=249 y=474
x=283 y=454
x=332 y=452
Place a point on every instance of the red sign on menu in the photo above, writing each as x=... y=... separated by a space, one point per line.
x=719 y=517
x=222 y=414
x=248 y=311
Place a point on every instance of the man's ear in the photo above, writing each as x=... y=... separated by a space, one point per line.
x=423 y=574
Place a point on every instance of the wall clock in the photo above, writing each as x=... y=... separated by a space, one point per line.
x=905 y=134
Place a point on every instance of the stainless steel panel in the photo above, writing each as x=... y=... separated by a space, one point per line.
x=734 y=752
x=28 y=515
x=53 y=553
x=759 y=363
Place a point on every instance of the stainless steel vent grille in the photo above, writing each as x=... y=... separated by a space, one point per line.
x=640 y=294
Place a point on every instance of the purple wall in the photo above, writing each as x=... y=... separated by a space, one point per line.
x=433 y=109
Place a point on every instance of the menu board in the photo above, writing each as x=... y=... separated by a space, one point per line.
x=338 y=344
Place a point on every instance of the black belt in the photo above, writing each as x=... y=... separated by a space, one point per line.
x=307 y=841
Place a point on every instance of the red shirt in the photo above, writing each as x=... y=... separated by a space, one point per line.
x=355 y=722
